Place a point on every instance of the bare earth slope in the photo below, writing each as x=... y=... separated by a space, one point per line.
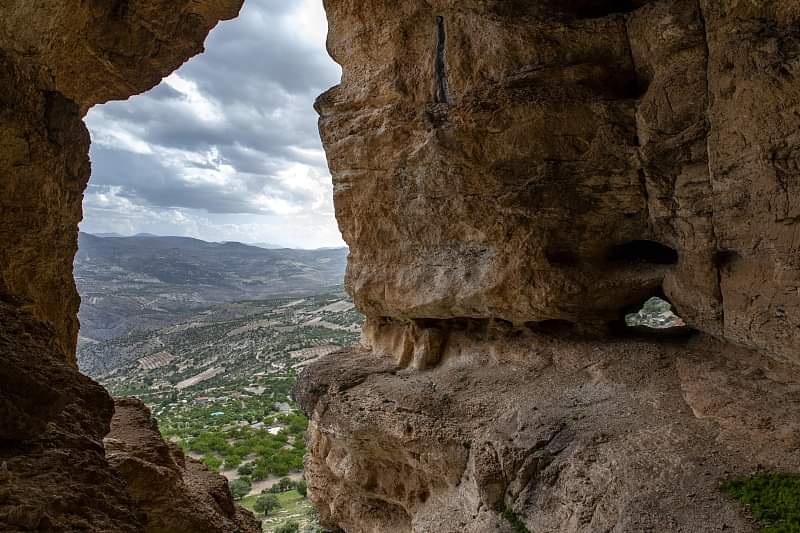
x=145 y=282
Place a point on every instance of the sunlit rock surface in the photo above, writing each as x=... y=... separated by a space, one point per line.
x=532 y=161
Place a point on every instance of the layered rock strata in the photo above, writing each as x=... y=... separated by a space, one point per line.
x=569 y=434
x=512 y=178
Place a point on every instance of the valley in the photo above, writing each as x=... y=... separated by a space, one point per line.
x=218 y=379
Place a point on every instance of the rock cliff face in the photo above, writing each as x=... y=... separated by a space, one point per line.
x=176 y=493
x=534 y=161
x=512 y=178
x=57 y=59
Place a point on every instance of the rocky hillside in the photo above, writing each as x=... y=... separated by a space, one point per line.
x=143 y=282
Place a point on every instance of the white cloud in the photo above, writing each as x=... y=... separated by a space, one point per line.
x=196 y=102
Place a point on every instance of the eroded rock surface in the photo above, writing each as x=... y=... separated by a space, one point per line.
x=512 y=179
x=175 y=493
x=573 y=436
x=567 y=160
x=53 y=471
x=57 y=59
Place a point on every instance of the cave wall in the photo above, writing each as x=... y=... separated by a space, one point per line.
x=512 y=178
x=504 y=161
x=57 y=59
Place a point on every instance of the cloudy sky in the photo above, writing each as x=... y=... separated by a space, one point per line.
x=227 y=147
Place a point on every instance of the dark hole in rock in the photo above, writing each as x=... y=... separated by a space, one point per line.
x=553 y=326
x=561 y=257
x=725 y=258
x=424 y=495
x=590 y=9
x=644 y=252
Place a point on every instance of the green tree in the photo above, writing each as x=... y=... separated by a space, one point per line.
x=232 y=461
x=302 y=488
x=266 y=503
x=240 y=488
x=245 y=470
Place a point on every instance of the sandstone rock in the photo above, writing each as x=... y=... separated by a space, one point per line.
x=512 y=179
x=584 y=158
x=56 y=61
x=176 y=494
x=54 y=474
x=622 y=436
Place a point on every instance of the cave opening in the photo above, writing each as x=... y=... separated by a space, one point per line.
x=656 y=313
x=209 y=244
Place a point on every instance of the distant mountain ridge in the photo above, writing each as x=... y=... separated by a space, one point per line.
x=145 y=281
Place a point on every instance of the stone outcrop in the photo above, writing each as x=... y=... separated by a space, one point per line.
x=584 y=158
x=53 y=471
x=175 y=493
x=570 y=435
x=57 y=59
x=512 y=179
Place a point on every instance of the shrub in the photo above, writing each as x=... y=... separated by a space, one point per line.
x=288 y=527
x=772 y=498
x=245 y=469
x=515 y=521
x=240 y=488
x=212 y=462
x=302 y=488
x=232 y=461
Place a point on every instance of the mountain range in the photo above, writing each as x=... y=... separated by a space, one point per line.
x=145 y=281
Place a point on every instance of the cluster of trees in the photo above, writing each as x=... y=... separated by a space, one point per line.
x=286 y=484
x=275 y=455
x=288 y=527
x=240 y=488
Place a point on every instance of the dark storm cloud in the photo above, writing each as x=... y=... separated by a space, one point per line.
x=222 y=135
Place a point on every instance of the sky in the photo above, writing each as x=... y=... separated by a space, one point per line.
x=227 y=147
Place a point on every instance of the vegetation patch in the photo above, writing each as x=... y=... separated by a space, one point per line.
x=772 y=498
x=515 y=521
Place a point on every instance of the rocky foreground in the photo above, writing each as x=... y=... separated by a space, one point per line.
x=566 y=434
x=513 y=180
